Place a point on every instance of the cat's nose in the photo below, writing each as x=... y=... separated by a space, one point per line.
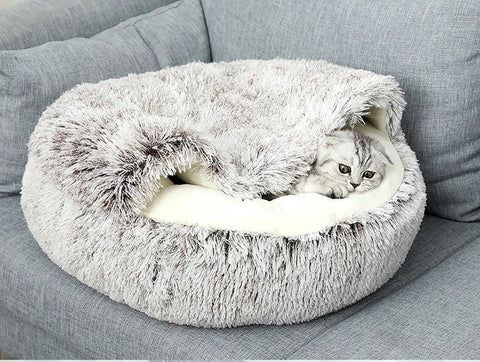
x=354 y=185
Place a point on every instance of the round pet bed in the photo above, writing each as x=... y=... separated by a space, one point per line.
x=99 y=197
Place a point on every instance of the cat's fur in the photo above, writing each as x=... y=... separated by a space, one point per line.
x=351 y=151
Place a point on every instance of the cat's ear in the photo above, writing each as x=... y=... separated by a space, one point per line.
x=379 y=150
x=382 y=154
x=332 y=140
x=335 y=137
x=386 y=158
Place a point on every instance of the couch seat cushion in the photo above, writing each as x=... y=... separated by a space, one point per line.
x=436 y=317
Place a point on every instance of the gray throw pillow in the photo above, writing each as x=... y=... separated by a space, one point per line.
x=30 y=23
x=431 y=47
x=31 y=79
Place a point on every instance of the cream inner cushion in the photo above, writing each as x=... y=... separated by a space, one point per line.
x=199 y=202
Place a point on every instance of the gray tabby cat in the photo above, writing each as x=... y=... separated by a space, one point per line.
x=346 y=161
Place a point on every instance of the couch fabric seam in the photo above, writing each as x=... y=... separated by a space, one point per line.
x=207 y=31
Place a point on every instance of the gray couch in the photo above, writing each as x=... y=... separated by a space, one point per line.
x=429 y=309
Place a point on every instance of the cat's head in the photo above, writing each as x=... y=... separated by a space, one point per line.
x=352 y=159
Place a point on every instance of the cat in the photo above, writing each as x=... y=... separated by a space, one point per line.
x=346 y=161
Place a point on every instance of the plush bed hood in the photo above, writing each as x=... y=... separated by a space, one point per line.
x=254 y=125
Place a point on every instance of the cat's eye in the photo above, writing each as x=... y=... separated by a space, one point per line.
x=344 y=168
x=368 y=174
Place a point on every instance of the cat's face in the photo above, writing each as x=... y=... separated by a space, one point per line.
x=352 y=159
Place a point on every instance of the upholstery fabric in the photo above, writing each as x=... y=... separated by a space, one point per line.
x=21 y=338
x=432 y=49
x=31 y=79
x=30 y=23
x=437 y=317
x=82 y=323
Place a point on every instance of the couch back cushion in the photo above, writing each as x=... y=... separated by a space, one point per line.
x=30 y=23
x=31 y=79
x=432 y=48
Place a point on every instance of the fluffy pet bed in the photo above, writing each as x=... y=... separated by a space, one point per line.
x=97 y=197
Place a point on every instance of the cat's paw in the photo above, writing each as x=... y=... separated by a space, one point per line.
x=338 y=191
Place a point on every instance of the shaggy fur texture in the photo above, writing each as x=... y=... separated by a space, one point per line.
x=97 y=154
